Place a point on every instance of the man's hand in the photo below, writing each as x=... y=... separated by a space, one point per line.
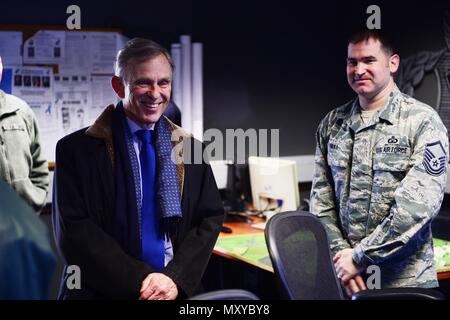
x=355 y=285
x=346 y=269
x=158 y=286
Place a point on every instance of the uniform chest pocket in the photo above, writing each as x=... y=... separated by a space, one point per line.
x=16 y=148
x=388 y=172
x=13 y=127
x=391 y=153
x=338 y=154
x=15 y=136
x=390 y=169
x=390 y=163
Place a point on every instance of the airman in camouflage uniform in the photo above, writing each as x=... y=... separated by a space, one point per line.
x=378 y=184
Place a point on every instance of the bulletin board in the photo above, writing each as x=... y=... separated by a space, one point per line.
x=63 y=75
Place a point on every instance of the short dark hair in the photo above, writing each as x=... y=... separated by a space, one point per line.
x=138 y=50
x=365 y=35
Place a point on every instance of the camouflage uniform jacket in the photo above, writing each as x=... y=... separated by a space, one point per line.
x=378 y=185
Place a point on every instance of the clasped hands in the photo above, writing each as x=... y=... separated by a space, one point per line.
x=158 y=286
x=348 y=273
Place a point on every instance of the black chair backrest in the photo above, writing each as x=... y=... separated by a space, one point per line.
x=300 y=254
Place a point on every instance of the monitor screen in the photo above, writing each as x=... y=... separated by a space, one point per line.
x=274 y=184
x=220 y=172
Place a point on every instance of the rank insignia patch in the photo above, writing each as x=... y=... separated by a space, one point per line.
x=434 y=159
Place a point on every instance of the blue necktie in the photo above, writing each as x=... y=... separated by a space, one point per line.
x=152 y=241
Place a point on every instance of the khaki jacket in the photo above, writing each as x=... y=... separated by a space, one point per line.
x=22 y=164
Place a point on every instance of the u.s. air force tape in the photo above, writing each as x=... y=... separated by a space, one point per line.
x=434 y=159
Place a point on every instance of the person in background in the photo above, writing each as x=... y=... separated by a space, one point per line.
x=22 y=164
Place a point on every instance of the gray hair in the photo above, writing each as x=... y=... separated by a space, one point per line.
x=135 y=51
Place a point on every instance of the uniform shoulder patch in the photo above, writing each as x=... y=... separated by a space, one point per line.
x=434 y=159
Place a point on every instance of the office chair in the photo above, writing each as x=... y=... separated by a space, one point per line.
x=300 y=254
x=228 y=294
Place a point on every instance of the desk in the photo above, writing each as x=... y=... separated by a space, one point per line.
x=247 y=244
x=230 y=270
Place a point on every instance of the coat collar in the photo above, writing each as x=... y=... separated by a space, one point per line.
x=6 y=108
x=102 y=129
x=388 y=114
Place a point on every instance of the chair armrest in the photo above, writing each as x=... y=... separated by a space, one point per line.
x=227 y=294
x=399 y=294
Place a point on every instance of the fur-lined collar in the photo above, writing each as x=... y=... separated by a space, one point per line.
x=102 y=129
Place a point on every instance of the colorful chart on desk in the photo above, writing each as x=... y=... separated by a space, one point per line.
x=250 y=247
x=441 y=254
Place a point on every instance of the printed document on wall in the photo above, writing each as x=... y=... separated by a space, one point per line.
x=45 y=47
x=77 y=58
x=102 y=95
x=72 y=101
x=102 y=51
x=10 y=44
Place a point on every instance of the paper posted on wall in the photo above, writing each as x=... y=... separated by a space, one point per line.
x=45 y=47
x=102 y=94
x=72 y=98
x=77 y=59
x=103 y=49
x=10 y=47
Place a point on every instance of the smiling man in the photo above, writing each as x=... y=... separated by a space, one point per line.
x=137 y=223
x=380 y=174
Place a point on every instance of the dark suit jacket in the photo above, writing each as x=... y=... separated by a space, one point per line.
x=84 y=215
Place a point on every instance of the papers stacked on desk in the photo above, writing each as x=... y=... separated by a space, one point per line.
x=261 y=225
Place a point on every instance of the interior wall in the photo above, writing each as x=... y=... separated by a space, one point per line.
x=267 y=65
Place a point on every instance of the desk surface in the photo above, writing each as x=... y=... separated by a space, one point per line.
x=247 y=244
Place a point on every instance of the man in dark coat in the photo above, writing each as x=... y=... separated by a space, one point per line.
x=137 y=218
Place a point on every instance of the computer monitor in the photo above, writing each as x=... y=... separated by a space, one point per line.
x=274 y=184
x=220 y=172
x=233 y=184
